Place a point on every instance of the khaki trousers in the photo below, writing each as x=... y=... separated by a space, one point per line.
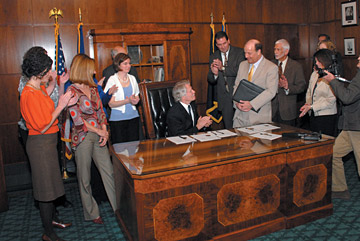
x=346 y=142
x=90 y=149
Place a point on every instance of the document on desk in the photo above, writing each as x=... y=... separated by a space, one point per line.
x=224 y=133
x=258 y=128
x=266 y=135
x=183 y=139
x=208 y=136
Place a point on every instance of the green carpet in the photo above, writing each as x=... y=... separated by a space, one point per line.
x=22 y=221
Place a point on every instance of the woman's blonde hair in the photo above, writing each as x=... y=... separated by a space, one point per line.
x=329 y=45
x=82 y=70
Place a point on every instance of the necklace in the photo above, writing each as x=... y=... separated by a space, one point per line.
x=33 y=86
x=125 y=80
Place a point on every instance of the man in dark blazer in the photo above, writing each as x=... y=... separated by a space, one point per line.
x=110 y=70
x=182 y=118
x=222 y=74
x=291 y=83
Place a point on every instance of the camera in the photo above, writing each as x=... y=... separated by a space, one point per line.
x=333 y=68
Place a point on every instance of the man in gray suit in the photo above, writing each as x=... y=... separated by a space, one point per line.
x=263 y=73
x=291 y=83
x=224 y=65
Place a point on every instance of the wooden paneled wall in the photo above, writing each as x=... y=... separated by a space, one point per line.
x=25 y=23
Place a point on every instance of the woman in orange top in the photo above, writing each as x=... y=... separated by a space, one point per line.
x=40 y=116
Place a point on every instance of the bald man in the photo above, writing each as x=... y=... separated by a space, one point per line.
x=264 y=74
x=110 y=70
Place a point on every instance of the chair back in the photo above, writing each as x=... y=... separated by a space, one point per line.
x=156 y=100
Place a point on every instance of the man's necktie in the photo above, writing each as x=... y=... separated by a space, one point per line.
x=225 y=79
x=225 y=60
x=280 y=70
x=190 y=113
x=251 y=73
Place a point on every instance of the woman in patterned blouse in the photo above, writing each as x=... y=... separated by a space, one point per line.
x=89 y=135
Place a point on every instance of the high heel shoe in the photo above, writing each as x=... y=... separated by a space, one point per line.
x=98 y=220
x=61 y=224
x=47 y=238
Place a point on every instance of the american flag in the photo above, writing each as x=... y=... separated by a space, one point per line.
x=60 y=58
x=60 y=68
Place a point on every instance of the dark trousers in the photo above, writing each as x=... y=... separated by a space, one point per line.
x=277 y=118
x=324 y=123
x=124 y=131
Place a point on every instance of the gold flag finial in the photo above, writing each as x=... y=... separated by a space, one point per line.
x=55 y=12
x=80 y=15
x=212 y=17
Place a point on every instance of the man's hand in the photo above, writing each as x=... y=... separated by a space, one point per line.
x=329 y=77
x=203 y=121
x=283 y=82
x=216 y=66
x=244 y=105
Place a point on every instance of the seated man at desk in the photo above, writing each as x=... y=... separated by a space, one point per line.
x=182 y=118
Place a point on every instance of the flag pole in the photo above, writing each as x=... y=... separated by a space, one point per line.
x=56 y=13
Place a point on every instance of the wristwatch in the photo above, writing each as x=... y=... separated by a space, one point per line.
x=223 y=68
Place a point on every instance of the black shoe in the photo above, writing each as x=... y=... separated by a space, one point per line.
x=345 y=195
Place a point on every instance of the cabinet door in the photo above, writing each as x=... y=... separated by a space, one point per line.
x=178 y=67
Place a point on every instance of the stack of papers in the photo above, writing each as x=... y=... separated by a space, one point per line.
x=180 y=139
x=209 y=136
x=259 y=131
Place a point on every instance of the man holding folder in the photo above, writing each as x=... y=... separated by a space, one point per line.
x=263 y=73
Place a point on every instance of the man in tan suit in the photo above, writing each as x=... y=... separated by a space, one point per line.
x=263 y=73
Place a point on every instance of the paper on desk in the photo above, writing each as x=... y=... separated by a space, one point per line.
x=266 y=135
x=258 y=128
x=181 y=139
x=208 y=136
x=224 y=133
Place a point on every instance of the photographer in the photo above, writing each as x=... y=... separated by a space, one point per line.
x=320 y=100
x=349 y=138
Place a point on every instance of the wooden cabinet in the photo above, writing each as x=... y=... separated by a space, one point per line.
x=158 y=53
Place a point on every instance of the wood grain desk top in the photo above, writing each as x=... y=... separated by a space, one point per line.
x=145 y=159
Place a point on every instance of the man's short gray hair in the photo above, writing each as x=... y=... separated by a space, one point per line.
x=285 y=44
x=179 y=89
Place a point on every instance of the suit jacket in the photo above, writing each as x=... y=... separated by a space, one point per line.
x=322 y=99
x=179 y=121
x=110 y=70
x=286 y=104
x=265 y=76
x=235 y=56
x=350 y=99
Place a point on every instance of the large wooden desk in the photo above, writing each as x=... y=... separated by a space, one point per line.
x=230 y=189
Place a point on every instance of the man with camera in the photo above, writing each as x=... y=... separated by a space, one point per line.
x=349 y=138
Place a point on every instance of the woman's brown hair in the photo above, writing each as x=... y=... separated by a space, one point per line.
x=82 y=70
x=119 y=58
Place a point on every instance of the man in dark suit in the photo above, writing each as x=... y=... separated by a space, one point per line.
x=182 y=118
x=224 y=65
x=291 y=83
x=110 y=70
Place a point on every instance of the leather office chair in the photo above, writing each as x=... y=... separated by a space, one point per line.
x=156 y=100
